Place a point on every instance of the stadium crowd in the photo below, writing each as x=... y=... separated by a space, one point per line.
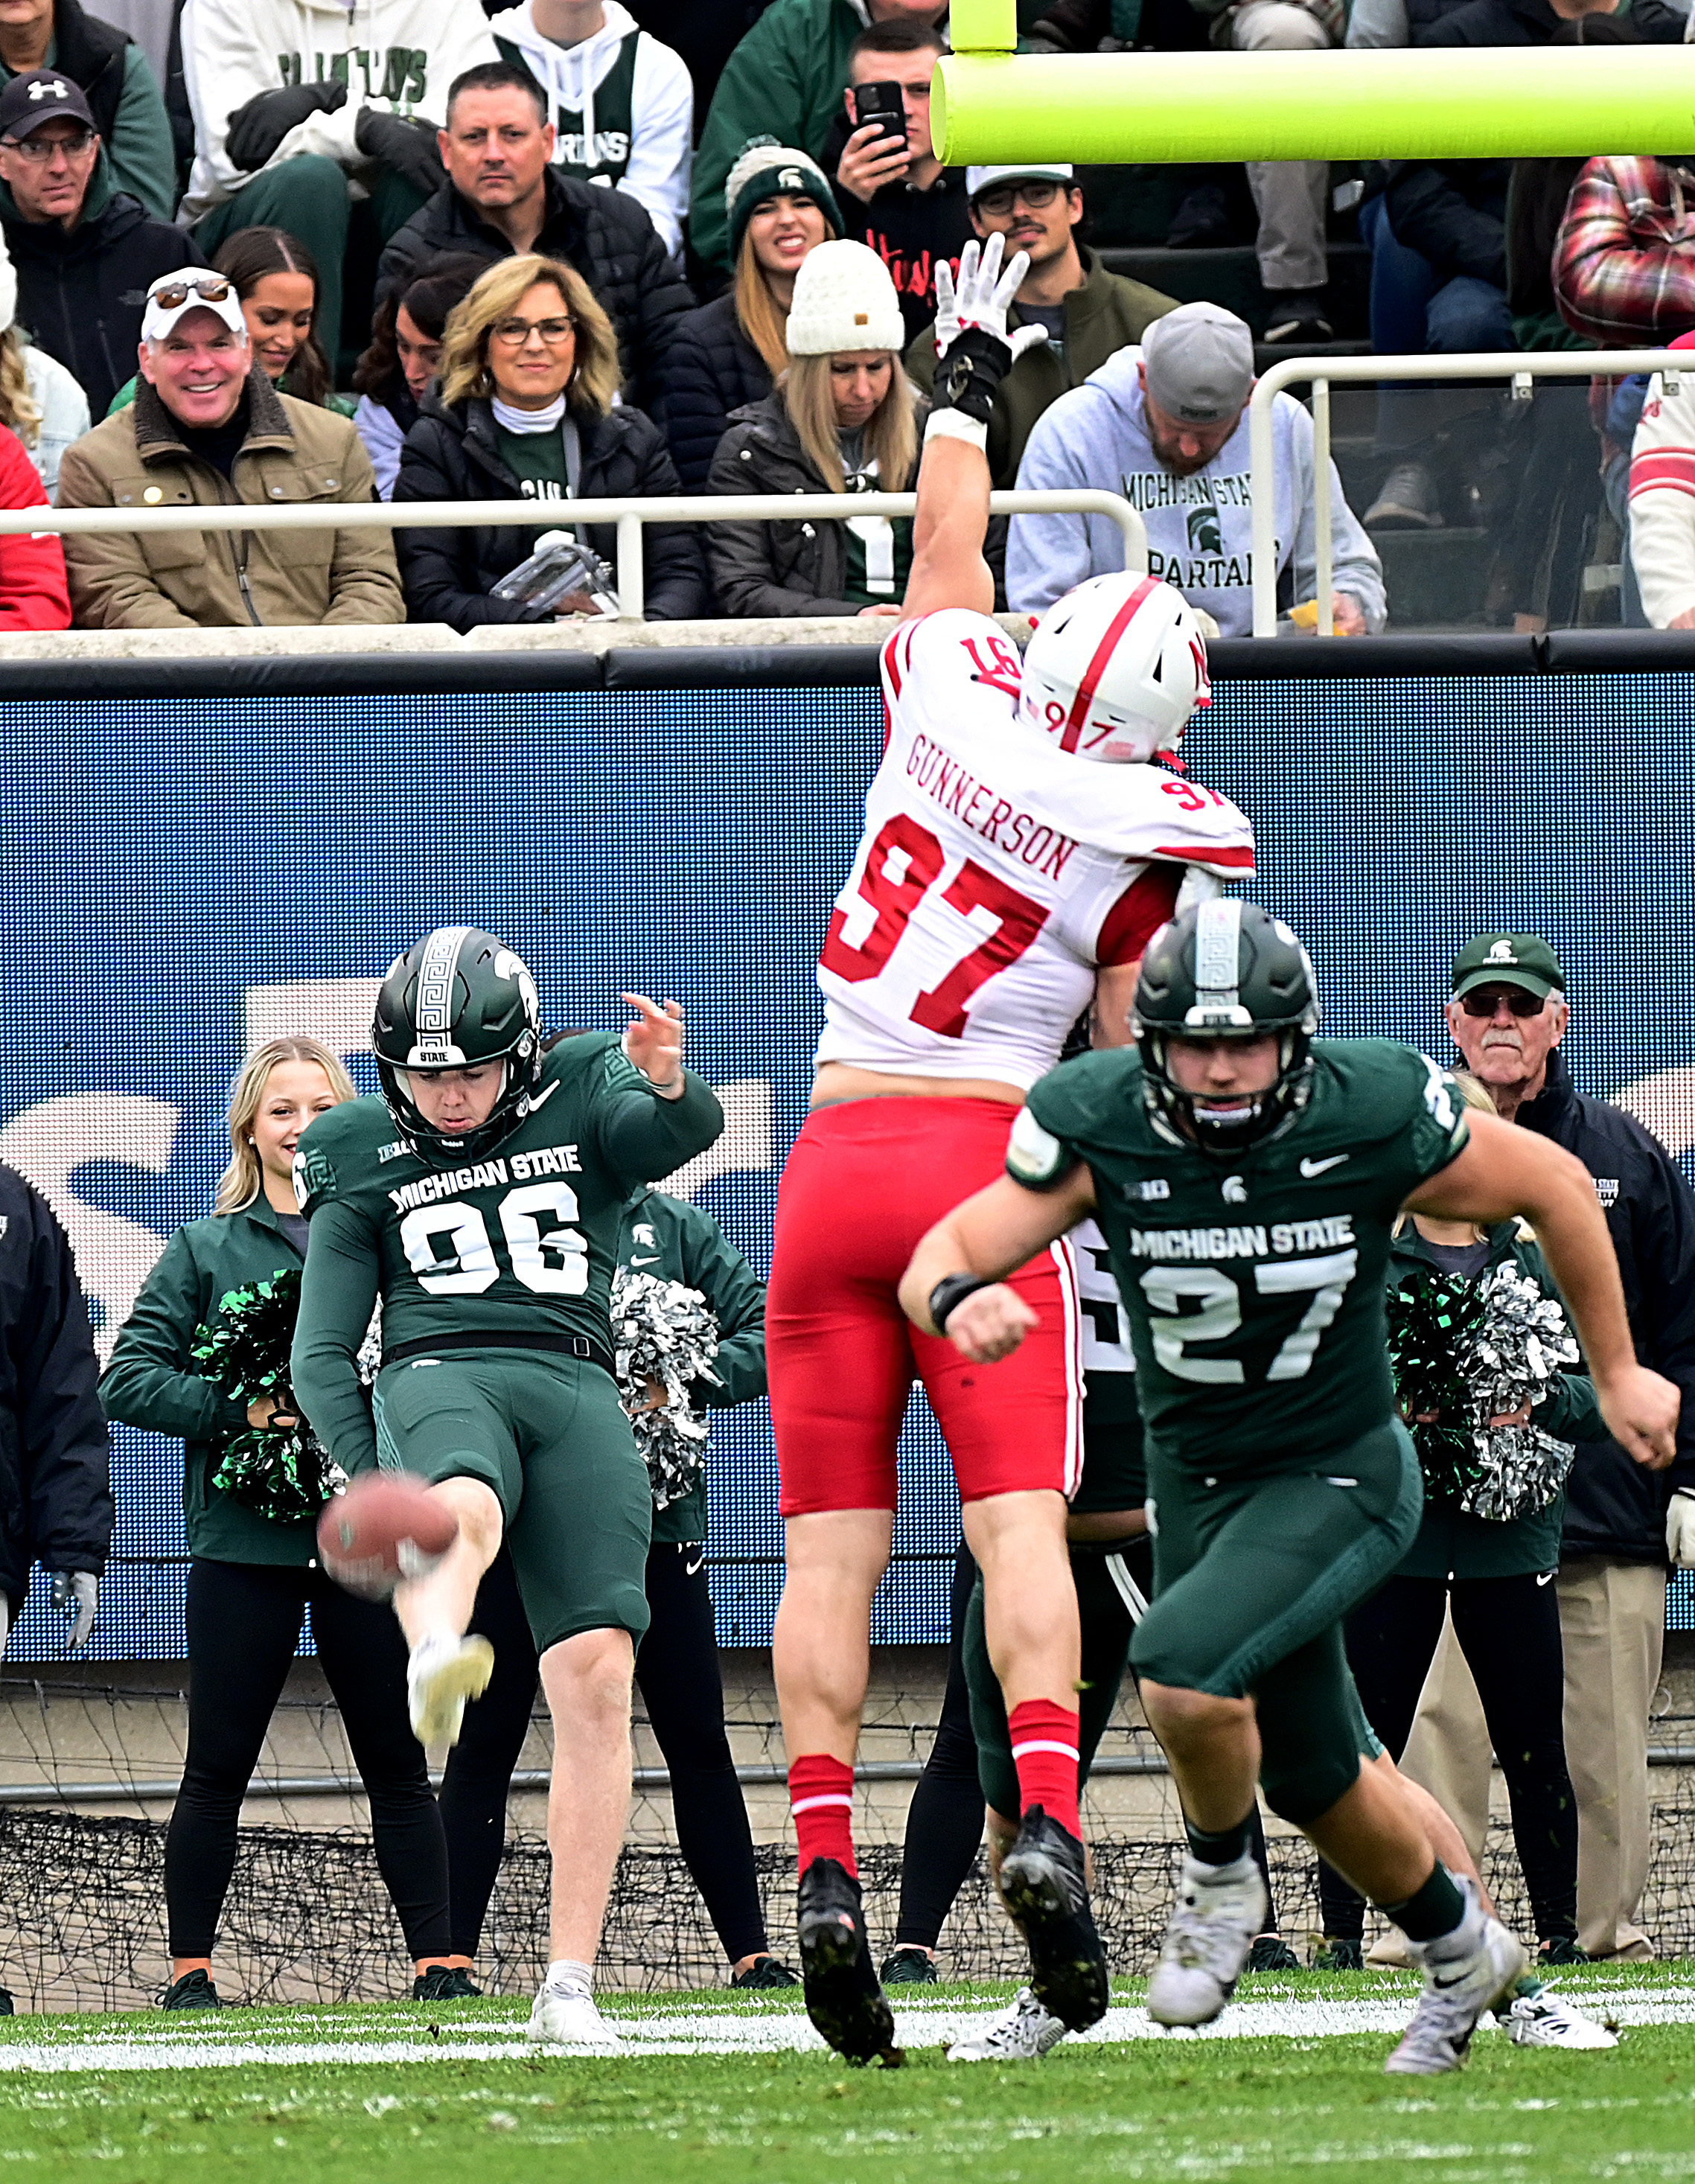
x=414 y=1353
x=242 y=264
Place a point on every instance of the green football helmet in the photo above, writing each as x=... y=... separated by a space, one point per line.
x=1226 y=969
x=457 y=998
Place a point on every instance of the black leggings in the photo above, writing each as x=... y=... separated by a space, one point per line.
x=243 y=1627
x=1508 y=1630
x=677 y=1669
x=945 y=1820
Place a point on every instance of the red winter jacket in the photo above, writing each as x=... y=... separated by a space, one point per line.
x=34 y=594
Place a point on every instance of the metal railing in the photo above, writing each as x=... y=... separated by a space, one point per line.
x=1326 y=371
x=627 y=516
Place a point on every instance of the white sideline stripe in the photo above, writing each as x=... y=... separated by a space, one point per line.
x=722 y=2032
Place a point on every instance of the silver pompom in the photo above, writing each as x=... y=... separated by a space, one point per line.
x=1511 y=1361
x=663 y=1332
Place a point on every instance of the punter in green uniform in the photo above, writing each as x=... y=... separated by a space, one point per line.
x=1247 y=1180
x=480 y=1198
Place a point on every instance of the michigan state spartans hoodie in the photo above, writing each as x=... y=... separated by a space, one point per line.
x=1199 y=527
x=398 y=56
x=623 y=107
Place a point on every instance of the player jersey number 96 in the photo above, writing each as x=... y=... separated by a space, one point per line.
x=450 y=1251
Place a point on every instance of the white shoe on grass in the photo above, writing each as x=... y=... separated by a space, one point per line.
x=442 y=1673
x=1023 y=2034
x=1542 y=2019
x=567 y=2017
x=1220 y=1910
x=1466 y=1972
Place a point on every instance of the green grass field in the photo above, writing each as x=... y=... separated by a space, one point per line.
x=362 y=2094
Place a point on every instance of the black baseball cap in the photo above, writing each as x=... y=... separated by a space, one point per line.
x=1508 y=959
x=42 y=95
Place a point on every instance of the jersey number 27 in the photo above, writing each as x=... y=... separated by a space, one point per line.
x=920 y=857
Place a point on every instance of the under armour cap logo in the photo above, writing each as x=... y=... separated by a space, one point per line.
x=1501 y=952
x=54 y=89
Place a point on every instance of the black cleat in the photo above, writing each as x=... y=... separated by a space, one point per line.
x=843 y=1998
x=908 y=1965
x=1272 y=1953
x=1338 y=1953
x=193 y=1991
x=1042 y=1882
x=444 y=1983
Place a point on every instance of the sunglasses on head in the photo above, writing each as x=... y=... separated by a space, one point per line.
x=1521 y=1004
x=171 y=297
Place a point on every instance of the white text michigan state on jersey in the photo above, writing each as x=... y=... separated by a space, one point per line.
x=487 y=1175
x=1251 y=1240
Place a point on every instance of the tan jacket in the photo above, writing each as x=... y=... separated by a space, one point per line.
x=293 y=452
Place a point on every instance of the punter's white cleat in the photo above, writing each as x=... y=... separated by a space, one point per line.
x=1220 y=1910
x=1543 y=2019
x=567 y=2017
x=1466 y=1972
x=1023 y=2034
x=442 y=1673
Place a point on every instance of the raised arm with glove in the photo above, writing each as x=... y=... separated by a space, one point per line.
x=974 y=352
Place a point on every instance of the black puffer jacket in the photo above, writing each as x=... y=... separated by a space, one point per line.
x=714 y=370
x=791 y=568
x=1454 y=212
x=1613 y=1507
x=1525 y=22
x=604 y=235
x=81 y=295
x=451 y=454
x=55 y=1479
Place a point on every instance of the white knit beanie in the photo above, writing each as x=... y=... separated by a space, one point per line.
x=843 y=299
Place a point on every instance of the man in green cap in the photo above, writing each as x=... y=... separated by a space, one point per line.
x=1622 y=1524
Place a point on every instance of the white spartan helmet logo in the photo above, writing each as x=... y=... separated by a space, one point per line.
x=1501 y=952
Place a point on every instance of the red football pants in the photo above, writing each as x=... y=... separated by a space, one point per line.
x=865 y=1181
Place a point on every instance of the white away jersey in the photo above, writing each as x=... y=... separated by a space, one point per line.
x=996 y=872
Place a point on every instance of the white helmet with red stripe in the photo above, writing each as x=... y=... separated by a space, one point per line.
x=1114 y=669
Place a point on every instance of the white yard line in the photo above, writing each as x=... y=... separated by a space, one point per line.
x=709 y=2032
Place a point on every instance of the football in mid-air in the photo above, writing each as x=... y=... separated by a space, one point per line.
x=387 y=1525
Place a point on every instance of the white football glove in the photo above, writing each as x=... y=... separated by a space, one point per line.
x=80 y=1590
x=982 y=297
x=1679 y=1529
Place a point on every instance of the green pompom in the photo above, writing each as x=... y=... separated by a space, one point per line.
x=283 y=1472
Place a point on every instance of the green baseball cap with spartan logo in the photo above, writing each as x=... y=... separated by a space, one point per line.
x=1508 y=959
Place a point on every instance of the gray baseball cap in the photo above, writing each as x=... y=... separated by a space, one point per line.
x=1200 y=362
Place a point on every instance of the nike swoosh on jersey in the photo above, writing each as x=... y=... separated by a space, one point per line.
x=651 y=1260
x=1547 y=1577
x=542 y=1097
x=1309 y=1168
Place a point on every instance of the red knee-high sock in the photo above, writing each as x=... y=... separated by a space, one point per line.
x=1044 y=1754
x=821 y=1798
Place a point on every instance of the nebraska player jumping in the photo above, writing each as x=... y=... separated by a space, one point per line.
x=1003 y=880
